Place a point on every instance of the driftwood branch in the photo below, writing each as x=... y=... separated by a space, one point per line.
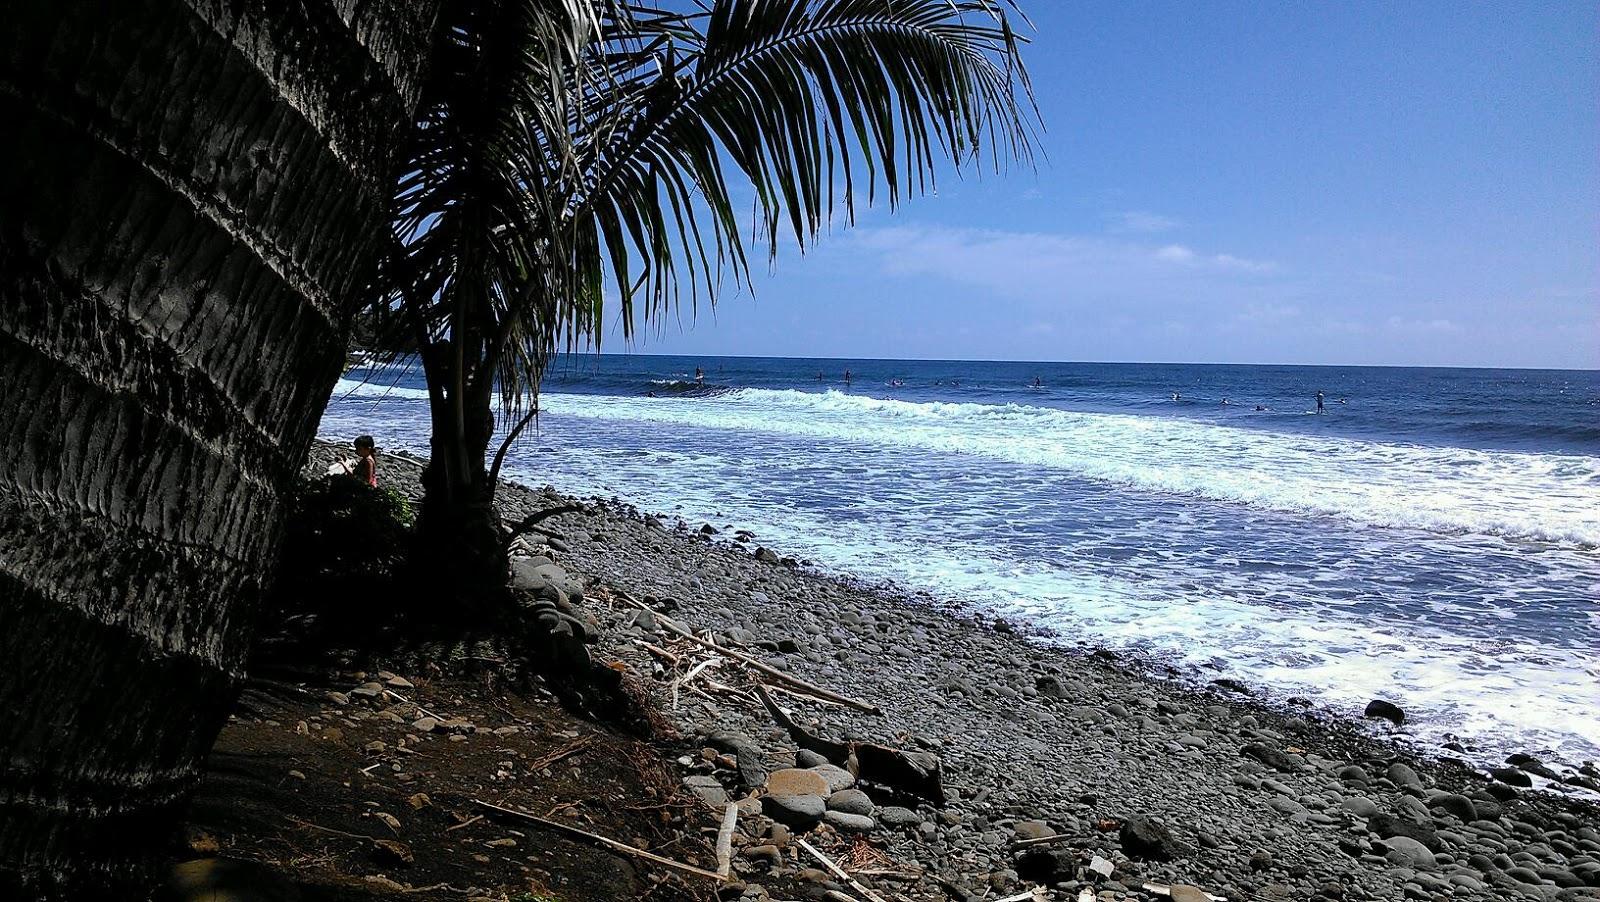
x=811 y=688
x=730 y=817
x=828 y=863
x=914 y=772
x=597 y=839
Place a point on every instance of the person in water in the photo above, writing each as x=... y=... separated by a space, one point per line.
x=1037 y=382
x=363 y=468
x=699 y=375
x=846 y=377
x=1319 y=400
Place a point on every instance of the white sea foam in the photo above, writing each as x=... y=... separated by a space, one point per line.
x=756 y=457
x=1536 y=496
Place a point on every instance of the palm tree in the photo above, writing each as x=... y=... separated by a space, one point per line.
x=188 y=192
x=542 y=178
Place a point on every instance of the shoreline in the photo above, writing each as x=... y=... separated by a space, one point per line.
x=1261 y=800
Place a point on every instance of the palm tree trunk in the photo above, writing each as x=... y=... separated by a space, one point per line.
x=461 y=549
x=188 y=193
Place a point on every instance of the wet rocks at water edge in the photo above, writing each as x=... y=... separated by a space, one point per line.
x=1378 y=708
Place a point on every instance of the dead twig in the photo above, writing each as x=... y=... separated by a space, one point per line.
x=682 y=682
x=918 y=773
x=812 y=688
x=601 y=840
x=466 y=823
x=310 y=826
x=406 y=701
x=827 y=862
x=659 y=651
x=566 y=751
x=1039 y=841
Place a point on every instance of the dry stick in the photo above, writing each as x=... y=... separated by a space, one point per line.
x=828 y=863
x=406 y=701
x=1161 y=889
x=694 y=671
x=602 y=840
x=725 y=840
x=1039 y=841
x=1032 y=894
x=765 y=668
x=658 y=650
x=570 y=749
x=723 y=687
x=700 y=668
x=305 y=823
x=466 y=823
x=798 y=693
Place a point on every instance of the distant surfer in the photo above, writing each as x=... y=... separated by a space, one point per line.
x=819 y=375
x=699 y=376
x=1259 y=407
x=896 y=383
x=1177 y=397
x=1319 y=400
x=1037 y=382
x=1224 y=402
x=846 y=377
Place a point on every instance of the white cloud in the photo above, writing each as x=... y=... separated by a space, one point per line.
x=1053 y=267
x=1142 y=221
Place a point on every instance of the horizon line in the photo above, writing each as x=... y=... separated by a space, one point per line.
x=1394 y=366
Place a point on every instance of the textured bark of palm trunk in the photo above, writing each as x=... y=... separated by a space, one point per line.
x=188 y=193
x=461 y=548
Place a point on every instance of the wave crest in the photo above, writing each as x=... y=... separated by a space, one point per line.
x=1546 y=497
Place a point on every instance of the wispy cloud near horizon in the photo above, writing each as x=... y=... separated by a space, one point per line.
x=1043 y=265
x=1142 y=222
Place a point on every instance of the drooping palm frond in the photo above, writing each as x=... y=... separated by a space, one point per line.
x=569 y=150
x=805 y=99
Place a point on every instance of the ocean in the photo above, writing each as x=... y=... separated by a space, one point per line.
x=1431 y=538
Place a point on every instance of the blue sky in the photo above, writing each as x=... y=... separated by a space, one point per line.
x=1371 y=183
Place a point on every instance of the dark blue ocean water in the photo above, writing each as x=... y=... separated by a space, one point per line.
x=1541 y=410
x=1431 y=537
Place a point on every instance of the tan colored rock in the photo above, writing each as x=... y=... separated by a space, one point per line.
x=1183 y=893
x=794 y=781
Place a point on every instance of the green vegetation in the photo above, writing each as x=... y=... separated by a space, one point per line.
x=343 y=573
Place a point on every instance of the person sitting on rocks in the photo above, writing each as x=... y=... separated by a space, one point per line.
x=364 y=466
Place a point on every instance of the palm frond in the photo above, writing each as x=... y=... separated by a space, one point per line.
x=568 y=150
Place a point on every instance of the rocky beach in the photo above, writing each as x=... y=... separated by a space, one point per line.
x=1064 y=775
